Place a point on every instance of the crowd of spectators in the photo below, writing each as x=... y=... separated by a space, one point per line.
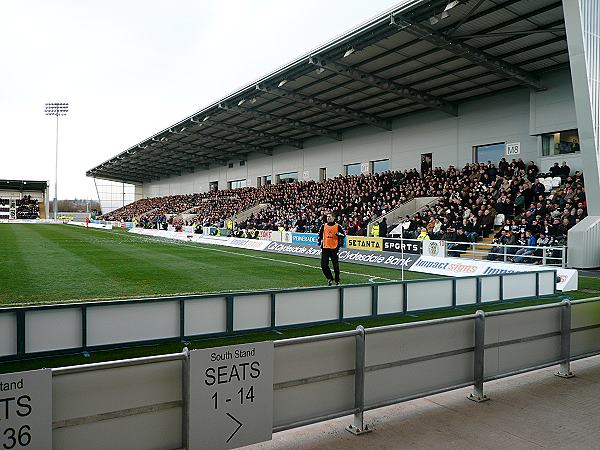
x=472 y=202
x=479 y=196
x=27 y=208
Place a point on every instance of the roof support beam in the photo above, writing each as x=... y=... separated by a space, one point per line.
x=254 y=133
x=125 y=174
x=192 y=159
x=108 y=177
x=226 y=141
x=431 y=101
x=280 y=120
x=327 y=106
x=466 y=51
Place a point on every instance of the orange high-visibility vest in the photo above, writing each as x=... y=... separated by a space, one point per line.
x=330 y=239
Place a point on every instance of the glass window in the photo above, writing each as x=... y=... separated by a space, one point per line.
x=380 y=166
x=560 y=143
x=236 y=184
x=352 y=169
x=268 y=179
x=213 y=186
x=491 y=152
x=289 y=177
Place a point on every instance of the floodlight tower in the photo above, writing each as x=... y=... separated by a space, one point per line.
x=56 y=109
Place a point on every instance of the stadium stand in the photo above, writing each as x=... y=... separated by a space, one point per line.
x=28 y=208
x=474 y=199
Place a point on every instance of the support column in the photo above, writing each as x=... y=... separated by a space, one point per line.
x=478 y=359
x=565 y=341
x=358 y=426
x=582 y=21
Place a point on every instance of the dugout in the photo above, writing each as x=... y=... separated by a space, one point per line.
x=424 y=83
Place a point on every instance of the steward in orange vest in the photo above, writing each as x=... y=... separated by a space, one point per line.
x=331 y=237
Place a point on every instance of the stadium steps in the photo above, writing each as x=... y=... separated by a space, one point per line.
x=246 y=213
x=482 y=250
x=148 y=212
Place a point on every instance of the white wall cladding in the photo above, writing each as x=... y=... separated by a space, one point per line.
x=582 y=21
x=513 y=116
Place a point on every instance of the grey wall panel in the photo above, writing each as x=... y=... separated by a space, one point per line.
x=528 y=354
x=298 y=362
x=411 y=379
x=312 y=400
x=490 y=289
x=251 y=311
x=585 y=314
x=553 y=109
x=294 y=362
x=407 y=343
x=309 y=306
x=390 y=299
x=584 y=342
x=132 y=322
x=466 y=291
x=115 y=389
x=547 y=283
x=518 y=286
x=521 y=325
x=8 y=334
x=433 y=294
x=52 y=329
x=204 y=316
x=155 y=431
x=357 y=302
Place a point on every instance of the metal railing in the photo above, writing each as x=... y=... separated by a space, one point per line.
x=547 y=256
x=348 y=372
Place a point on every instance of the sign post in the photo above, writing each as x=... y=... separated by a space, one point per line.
x=231 y=396
x=26 y=410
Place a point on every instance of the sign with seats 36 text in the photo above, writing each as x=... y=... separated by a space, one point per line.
x=26 y=410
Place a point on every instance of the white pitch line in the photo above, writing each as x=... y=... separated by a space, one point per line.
x=189 y=244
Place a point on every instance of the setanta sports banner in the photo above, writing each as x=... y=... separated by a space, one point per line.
x=381 y=259
x=402 y=246
x=364 y=243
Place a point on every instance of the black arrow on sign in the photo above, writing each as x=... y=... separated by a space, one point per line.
x=236 y=430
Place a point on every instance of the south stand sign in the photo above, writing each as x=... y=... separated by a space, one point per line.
x=231 y=396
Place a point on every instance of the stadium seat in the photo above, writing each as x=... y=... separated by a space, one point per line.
x=556 y=181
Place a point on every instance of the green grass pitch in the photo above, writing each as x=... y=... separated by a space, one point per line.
x=60 y=263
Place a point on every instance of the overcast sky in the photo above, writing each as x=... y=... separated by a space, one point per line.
x=131 y=68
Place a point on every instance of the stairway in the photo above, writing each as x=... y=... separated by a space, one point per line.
x=480 y=250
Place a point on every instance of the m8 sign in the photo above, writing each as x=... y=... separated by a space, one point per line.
x=26 y=410
x=231 y=396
